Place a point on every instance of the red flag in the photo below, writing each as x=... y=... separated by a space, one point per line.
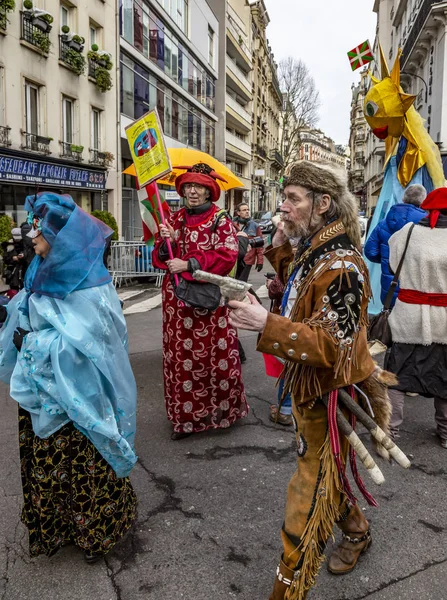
x=273 y=365
x=150 y=214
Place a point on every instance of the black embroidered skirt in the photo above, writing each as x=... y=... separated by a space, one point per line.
x=71 y=494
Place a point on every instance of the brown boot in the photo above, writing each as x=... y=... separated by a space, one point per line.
x=356 y=540
x=284 y=578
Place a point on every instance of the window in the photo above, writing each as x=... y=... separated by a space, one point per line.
x=64 y=15
x=211 y=46
x=67 y=120
x=93 y=35
x=96 y=129
x=32 y=108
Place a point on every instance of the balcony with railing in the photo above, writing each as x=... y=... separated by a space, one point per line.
x=36 y=35
x=236 y=29
x=261 y=151
x=238 y=143
x=36 y=143
x=71 y=151
x=416 y=27
x=4 y=135
x=98 y=158
x=239 y=110
x=240 y=77
x=276 y=157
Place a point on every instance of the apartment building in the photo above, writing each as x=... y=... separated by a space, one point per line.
x=357 y=140
x=315 y=145
x=417 y=27
x=58 y=109
x=267 y=106
x=234 y=96
x=169 y=60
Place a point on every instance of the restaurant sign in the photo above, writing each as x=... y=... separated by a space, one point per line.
x=24 y=170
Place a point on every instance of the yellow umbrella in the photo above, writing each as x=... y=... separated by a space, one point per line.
x=188 y=157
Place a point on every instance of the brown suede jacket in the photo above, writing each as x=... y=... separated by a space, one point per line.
x=323 y=341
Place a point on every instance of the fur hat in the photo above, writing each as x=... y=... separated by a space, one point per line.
x=324 y=178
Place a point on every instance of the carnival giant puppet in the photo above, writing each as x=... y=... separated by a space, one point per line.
x=411 y=156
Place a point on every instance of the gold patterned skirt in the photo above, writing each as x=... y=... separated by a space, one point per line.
x=71 y=494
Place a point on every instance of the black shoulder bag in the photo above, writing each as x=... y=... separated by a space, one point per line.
x=195 y=293
x=379 y=328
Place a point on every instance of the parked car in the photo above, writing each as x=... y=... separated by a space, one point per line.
x=264 y=220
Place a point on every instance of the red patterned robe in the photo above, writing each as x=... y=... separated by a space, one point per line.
x=201 y=365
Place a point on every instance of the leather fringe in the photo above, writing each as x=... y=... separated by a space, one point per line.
x=319 y=527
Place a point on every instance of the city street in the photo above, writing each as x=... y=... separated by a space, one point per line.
x=211 y=506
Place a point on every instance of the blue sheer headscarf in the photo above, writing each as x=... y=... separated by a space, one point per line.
x=77 y=240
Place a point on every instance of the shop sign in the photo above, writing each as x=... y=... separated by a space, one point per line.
x=171 y=197
x=24 y=170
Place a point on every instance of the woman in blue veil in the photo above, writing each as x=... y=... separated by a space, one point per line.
x=63 y=351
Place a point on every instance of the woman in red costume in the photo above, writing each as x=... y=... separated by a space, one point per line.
x=201 y=365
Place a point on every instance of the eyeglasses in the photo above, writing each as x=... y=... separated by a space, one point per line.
x=196 y=186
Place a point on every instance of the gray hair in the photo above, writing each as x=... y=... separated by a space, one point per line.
x=414 y=194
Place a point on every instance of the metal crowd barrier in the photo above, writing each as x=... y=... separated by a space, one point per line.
x=129 y=260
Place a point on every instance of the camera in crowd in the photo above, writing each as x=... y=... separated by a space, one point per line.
x=256 y=242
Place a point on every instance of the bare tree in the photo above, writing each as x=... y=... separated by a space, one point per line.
x=301 y=101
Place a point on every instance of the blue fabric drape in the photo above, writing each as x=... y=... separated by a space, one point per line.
x=73 y=364
x=77 y=242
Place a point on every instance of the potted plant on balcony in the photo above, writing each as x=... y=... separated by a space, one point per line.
x=65 y=30
x=104 y=64
x=42 y=41
x=42 y=20
x=77 y=43
x=108 y=158
x=76 y=149
x=6 y=6
x=75 y=59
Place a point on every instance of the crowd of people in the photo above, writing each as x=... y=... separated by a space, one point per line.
x=77 y=425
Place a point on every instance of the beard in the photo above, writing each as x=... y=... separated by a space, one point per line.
x=303 y=228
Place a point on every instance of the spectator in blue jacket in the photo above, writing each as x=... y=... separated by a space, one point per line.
x=376 y=248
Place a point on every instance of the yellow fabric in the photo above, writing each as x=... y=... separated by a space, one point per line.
x=386 y=105
x=187 y=157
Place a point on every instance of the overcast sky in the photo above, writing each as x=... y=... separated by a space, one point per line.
x=321 y=32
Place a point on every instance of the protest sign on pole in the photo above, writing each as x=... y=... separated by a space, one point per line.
x=148 y=148
x=150 y=157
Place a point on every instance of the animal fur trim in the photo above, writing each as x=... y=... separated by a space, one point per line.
x=325 y=178
x=376 y=388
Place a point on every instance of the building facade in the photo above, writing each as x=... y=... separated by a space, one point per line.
x=234 y=97
x=58 y=109
x=169 y=60
x=357 y=141
x=267 y=106
x=315 y=145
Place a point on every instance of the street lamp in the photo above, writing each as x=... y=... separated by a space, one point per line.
x=423 y=81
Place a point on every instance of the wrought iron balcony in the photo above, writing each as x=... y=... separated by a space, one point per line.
x=261 y=151
x=415 y=29
x=98 y=158
x=34 y=34
x=36 y=143
x=275 y=156
x=92 y=66
x=4 y=136
x=71 y=151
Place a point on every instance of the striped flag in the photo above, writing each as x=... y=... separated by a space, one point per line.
x=150 y=214
x=361 y=55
